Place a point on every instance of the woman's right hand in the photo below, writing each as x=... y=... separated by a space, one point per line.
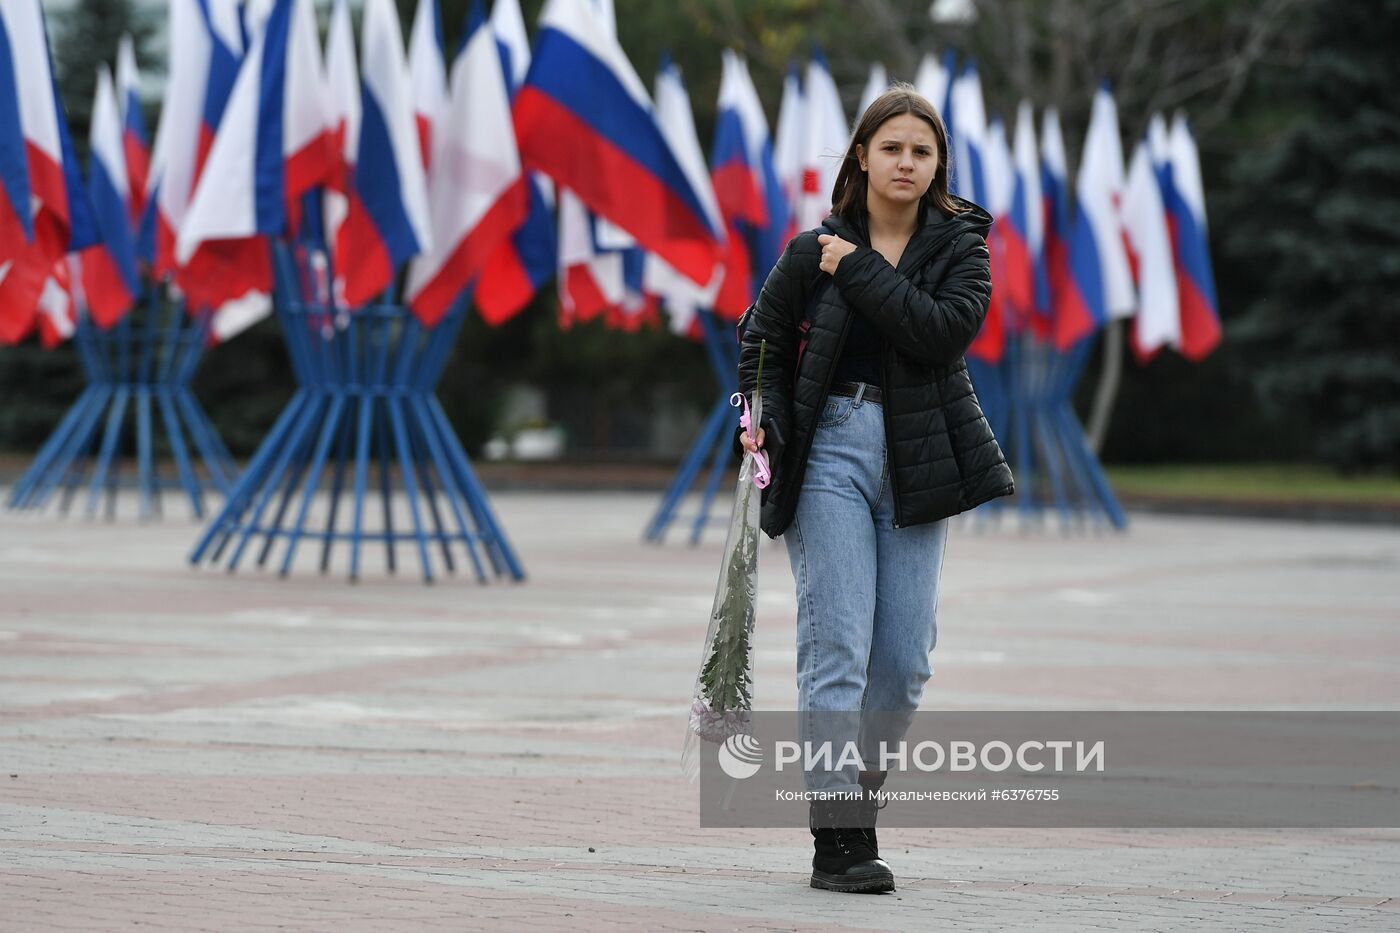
x=749 y=443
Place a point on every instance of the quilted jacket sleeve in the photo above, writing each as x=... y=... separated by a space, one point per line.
x=934 y=326
x=775 y=318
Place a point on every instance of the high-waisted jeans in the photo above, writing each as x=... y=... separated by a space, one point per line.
x=867 y=592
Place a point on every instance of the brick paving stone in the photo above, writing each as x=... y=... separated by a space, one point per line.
x=195 y=750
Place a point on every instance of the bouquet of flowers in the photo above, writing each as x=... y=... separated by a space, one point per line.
x=723 y=698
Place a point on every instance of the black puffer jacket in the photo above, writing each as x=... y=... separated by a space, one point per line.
x=943 y=456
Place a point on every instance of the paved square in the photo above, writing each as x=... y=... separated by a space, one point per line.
x=191 y=750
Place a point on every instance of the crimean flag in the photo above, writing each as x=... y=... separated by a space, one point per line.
x=479 y=194
x=1158 y=322
x=824 y=143
x=1098 y=249
x=427 y=75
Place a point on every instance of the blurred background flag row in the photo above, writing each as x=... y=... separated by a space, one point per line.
x=555 y=160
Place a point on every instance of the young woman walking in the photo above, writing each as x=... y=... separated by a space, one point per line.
x=875 y=439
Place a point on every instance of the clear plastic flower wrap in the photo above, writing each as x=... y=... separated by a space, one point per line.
x=723 y=695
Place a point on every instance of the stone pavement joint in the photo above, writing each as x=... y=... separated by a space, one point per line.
x=194 y=750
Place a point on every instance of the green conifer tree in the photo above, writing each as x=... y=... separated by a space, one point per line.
x=1323 y=241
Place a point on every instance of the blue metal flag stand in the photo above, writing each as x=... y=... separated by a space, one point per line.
x=141 y=366
x=365 y=399
x=715 y=441
x=1031 y=399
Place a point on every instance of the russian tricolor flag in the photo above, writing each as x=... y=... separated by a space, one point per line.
x=1186 y=212
x=21 y=270
x=787 y=150
x=206 y=47
x=584 y=118
x=389 y=220
x=998 y=187
x=512 y=41
x=745 y=180
x=62 y=219
x=1028 y=213
x=56 y=214
x=522 y=264
x=274 y=144
x=932 y=80
x=136 y=143
x=1072 y=314
x=479 y=193
x=967 y=126
x=109 y=267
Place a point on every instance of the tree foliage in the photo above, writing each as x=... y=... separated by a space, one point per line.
x=1320 y=242
x=84 y=36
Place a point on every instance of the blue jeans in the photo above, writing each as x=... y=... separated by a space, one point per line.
x=867 y=592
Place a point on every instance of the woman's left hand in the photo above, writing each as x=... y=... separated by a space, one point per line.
x=833 y=248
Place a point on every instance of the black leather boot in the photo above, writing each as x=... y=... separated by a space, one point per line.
x=843 y=859
x=870 y=782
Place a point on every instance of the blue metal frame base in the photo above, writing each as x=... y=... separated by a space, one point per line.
x=138 y=394
x=366 y=404
x=1028 y=399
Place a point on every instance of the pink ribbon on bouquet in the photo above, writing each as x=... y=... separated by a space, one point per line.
x=762 y=474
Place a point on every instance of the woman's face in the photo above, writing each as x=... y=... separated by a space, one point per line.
x=901 y=160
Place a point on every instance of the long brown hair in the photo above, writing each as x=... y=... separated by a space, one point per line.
x=848 y=194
